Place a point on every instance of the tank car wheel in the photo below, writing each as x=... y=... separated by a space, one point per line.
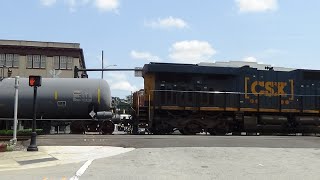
x=107 y=127
x=76 y=127
x=46 y=126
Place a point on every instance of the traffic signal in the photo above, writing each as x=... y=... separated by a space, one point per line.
x=9 y=72
x=35 y=81
x=75 y=72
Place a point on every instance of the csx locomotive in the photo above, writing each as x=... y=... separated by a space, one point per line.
x=220 y=99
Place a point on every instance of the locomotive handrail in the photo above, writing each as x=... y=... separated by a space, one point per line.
x=28 y=119
x=230 y=92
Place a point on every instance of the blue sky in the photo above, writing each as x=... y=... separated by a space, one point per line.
x=133 y=33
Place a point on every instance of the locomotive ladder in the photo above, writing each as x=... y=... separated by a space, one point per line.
x=143 y=116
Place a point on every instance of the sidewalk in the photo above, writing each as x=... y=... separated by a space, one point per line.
x=56 y=155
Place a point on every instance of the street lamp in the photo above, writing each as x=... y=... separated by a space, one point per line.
x=106 y=68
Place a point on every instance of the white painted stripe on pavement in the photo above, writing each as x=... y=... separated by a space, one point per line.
x=81 y=170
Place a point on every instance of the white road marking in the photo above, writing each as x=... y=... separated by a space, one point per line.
x=81 y=170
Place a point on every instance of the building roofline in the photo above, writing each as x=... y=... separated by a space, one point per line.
x=39 y=43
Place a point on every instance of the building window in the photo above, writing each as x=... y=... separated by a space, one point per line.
x=63 y=62
x=9 y=60
x=36 y=62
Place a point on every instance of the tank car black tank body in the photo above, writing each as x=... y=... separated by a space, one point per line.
x=59 y=99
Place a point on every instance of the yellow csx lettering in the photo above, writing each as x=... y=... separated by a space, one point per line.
x=268 y=88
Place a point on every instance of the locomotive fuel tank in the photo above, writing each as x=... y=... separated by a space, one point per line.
x=58 y=98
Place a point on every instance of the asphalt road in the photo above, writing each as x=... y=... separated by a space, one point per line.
x=187 y=157
x=160 y=141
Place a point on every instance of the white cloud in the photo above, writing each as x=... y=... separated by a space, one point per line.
x=72 y=5
x=252 y=59
x=249 y=59
x=169 y=22
x=144 y=56
x=48 y=2
x=84 y=2
x=272 y=51
x=123 y=85
x=119 y=81
x=191 y=52
x=257 y=5
x=107 y=5
x=103 y=5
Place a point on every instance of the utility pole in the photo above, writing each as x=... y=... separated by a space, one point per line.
x=102 y=66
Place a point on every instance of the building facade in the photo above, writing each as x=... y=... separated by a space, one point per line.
x=47 y=59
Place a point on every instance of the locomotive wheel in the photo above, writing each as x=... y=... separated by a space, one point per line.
x=220 y=129
x=162 y=131
x=219 y=132
x=212 y=132
x=76 y=127
x=181 y=131
x=157 y=132
x=191 y=129
x=107 y=127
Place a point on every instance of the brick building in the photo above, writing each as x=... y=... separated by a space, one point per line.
x=47 y=59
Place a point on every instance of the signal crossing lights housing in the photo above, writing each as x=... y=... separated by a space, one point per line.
x=35 y=81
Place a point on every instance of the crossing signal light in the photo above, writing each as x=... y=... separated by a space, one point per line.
x=35 y=81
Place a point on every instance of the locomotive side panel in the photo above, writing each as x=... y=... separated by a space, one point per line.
x=195 y=98
x=268 y=91
x=309 y=84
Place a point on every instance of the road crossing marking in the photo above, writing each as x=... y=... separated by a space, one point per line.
x=81 y=170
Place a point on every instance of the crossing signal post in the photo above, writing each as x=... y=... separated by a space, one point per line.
x=35 y=82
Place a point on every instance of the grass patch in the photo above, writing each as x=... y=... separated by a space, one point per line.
x=24 y=132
